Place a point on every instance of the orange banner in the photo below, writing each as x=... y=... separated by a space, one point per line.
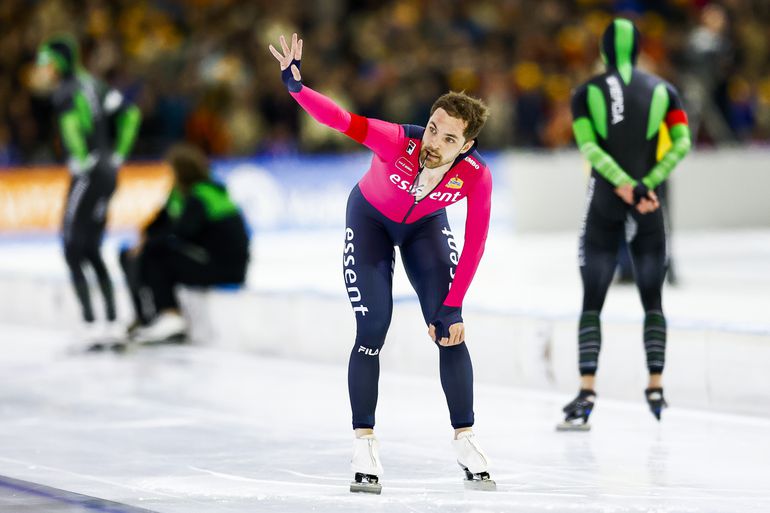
x=32 y=199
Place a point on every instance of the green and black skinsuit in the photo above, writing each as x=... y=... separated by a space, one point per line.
x=199 y=238
x=618 y=119
x=87 y=109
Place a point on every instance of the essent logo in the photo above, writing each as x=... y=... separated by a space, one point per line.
x=404 y=185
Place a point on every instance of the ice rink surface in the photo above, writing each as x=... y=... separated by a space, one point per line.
x=198 y=430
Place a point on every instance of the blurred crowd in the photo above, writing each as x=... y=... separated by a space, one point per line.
x=200 y=69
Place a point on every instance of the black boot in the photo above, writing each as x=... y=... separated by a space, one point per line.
x=655 y=400
x=578 y=411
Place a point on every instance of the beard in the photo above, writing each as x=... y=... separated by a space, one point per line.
x=430 y=159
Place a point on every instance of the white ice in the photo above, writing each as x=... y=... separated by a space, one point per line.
x=203 y=430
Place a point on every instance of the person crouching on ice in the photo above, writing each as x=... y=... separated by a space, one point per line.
x=199 y=238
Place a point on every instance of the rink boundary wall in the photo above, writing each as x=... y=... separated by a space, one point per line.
x=707 y=367
x=533 y=192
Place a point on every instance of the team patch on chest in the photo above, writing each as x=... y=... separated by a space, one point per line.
x=455 y=183
x=403 y=165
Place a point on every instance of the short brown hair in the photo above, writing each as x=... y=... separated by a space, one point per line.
x=471 y=110
x=189 y=163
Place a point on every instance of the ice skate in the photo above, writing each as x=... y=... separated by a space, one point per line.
x=366 y=465
x=91 y=335
x=577 y=412
x=167 y=328
x=104 y=336
x=656 y=401
x=473 y=461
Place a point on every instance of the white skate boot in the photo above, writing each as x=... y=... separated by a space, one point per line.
x=366 y=465
x=104 y=335
x=473 y=461
x=167 y=327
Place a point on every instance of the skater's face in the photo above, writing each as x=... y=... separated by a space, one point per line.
x=45 y=77
x=443 y=140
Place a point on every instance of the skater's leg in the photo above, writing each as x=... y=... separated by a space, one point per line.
x=166 y=263
x=160 y=267
x=649 y=253
x=74 y=233
x=101 y=188
x=94 y=257
x=430 y=257
x=74 y=256
x=650 y=257
x=129 y=262
x=598 y=248
x=599 y=245
x=367 y=259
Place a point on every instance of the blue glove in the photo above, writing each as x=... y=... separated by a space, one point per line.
x=444 y=318
x=288 y=79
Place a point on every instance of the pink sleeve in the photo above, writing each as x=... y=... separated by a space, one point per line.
x=476 y=229
x=381 y=137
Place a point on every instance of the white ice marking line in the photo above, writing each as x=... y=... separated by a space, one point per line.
x=311 y=476
x=234 y=477
x=129 y=424
x=91 y=478
x=390 y=483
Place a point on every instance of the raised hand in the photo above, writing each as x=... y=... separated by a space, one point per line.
x=290 y=58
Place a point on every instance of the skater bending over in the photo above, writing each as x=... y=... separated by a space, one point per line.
x=98 y=126
x=415 y=173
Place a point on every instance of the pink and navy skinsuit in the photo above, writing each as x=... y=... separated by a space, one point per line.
x=383 y=214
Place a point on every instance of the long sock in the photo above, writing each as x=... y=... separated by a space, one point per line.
x=589 y=342
x=457 y=381
x=655 y=341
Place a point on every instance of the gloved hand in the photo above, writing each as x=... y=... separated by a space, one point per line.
x=116 y=160
x=78 y=167
x=640 y=192
x=289 y=58
x=287 y=76
x=444 y=318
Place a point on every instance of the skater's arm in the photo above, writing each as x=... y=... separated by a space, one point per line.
x=128 y=121
x=127 y=118
x=447 y=327
x=74 y=141
x=73 y=126
x=586 y=138
x=476 y=229
x=379 y=136
x=679 y=130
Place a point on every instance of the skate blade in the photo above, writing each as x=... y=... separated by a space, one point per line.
x=481 y=485
x=569 y=426
x=374 y=488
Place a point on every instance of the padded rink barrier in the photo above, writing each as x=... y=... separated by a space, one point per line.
x=720 y=369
